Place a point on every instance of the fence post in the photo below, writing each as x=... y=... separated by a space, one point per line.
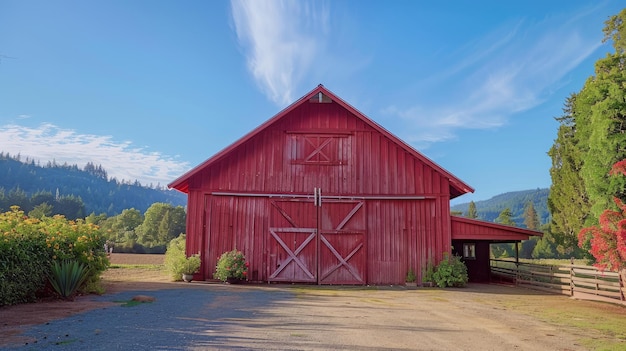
x=517 y=274
x=622 y=283
x=571 y=277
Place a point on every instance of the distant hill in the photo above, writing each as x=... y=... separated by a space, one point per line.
x=19 y=181
x=489 y=210
x=99 y=194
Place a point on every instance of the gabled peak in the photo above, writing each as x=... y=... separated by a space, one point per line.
x=320 y=98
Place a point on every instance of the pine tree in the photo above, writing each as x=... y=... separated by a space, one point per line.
x=531 y=219
x=471 y=210
x=505 y=217
x=601 y=109
x=591 y=138
x=568 y=202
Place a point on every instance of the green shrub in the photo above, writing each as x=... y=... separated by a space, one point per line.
x=29 y=246
x=80 y=241
x=231 y=265
x=66 y=277
x=410 y=276
x=191 y=264
x=451 y=271
x=429 y=272
x=175 y=257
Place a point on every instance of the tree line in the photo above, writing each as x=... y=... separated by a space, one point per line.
x=591 y=139
x=530 y=248
x=88 y=189
x=132 y=231
x=516 y=201
x=132 y=217
x=42 y=203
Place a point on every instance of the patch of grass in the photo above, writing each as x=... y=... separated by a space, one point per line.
x=129 y=303
x=555 y=261
x=373 y=300
x=302 y=291
x=305 y=291
x=154 y=267
x=603 y=345
x=610 y=326
x=604 y=320
x=65 y=342
x=329 y=290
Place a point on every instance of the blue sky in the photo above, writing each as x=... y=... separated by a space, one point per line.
x=149 y=89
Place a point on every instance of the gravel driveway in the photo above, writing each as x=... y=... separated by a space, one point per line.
x=200 y=316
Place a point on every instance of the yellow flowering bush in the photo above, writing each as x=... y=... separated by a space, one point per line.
x=29 y=246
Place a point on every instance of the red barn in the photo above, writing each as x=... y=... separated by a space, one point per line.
x=322 y=194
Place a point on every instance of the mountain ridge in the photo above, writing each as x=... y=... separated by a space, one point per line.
x=21 y=181
x=489 y=210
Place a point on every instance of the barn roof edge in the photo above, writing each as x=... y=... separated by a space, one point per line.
x=461 y=187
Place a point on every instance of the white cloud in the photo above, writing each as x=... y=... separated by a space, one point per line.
x=121 y=160
x=508 y=71
x=281 y=40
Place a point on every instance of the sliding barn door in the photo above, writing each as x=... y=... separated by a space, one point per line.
x=317 y=240
x=342 y=242
x=292 y=242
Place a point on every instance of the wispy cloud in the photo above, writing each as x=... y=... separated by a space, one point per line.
x=121 y=160
x=281 y=40
x=510 y=70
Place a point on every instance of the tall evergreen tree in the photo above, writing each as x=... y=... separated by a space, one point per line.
x=471 y=210
x=546 y=247
x=601 y=106
x=568 y=202
x=504 y=250
x=591 y=138
x=41 y=210
x=506 y=217
x=531 y=219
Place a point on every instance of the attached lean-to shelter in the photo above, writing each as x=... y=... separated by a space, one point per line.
x=471 y=239
x=322 y=194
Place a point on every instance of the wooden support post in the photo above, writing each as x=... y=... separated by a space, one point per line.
x=622 y=283
x=517 y=261
x=571 y=277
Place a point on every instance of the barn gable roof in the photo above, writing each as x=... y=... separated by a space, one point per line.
x=457 y=187
x=474 y=229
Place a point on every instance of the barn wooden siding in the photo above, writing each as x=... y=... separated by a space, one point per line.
x=369 y=162
x=408 y=239
x=472 y=229
x=231 y=201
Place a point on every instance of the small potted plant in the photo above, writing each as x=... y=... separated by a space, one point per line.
x=428 y=278
x=410 y=278
x=190 y=266
x=232 y=267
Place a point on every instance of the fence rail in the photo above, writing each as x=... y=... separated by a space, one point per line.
x=578 y=281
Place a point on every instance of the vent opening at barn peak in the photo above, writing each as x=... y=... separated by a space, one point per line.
x=322 y=194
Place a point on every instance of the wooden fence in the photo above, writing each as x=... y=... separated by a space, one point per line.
x=578 y=281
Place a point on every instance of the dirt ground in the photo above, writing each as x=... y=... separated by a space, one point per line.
x=13 y=319
x=480 y=317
